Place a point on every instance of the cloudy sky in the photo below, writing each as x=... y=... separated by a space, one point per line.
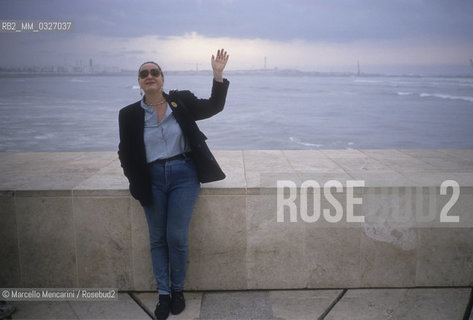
x=390 y=36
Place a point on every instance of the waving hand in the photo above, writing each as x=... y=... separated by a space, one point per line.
x=219 y=63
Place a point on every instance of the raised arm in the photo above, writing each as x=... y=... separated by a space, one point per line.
x=205 y=108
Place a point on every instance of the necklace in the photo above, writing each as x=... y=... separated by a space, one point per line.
x=156 y=104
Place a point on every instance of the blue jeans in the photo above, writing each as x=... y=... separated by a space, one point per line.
x=175 y=187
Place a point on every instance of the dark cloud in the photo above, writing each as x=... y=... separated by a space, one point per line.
x=335 y=20
x=393 y=32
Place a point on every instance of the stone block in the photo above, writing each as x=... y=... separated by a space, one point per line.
x=9 y=254
x=361 y=164
x=46 y=241
x=36 y=310
x=108 y=178
x=334 y=154
x=381 y=179
x=261 y=162
x=143 y=278
x=441 y=160
x=384 y=154
x=217 y=244
x=386 y=259
x=104 y=244
x=275 y=253
x=50 y=170
x=432 y=303
x=333 y=257
x=368 y=304
x=444 y=257
x=236 y=305
x=123 y=308
x=301 y=304
x=311 y=161
x=460 y=153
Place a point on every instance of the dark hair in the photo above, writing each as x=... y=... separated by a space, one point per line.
x=157 y=65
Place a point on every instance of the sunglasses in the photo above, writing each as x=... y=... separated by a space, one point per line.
x=154 y=72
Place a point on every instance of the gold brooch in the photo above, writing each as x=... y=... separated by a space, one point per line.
x=173 y=104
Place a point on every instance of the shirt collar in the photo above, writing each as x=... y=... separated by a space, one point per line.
x=151 y=110
x=147 y=108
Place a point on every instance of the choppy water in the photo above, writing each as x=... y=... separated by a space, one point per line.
x=80 y=113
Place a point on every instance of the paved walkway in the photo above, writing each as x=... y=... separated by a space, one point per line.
x=352 y=304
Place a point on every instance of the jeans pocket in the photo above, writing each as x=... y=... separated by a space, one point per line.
x=191 y=167
x=189 y=162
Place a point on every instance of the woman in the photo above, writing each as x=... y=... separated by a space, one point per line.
x=164 y=156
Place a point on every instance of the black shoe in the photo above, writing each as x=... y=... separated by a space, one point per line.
x=162 y=308
x=178 y=303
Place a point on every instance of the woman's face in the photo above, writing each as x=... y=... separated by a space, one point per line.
x=151 y=82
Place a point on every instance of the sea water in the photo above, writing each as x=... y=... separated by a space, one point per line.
x=80 y=112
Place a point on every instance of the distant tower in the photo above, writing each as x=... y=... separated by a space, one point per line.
x=91 y=65
x=358 y=73
x=265 y=63
x=471 y=62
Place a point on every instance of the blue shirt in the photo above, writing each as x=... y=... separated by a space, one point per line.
x=162 y=139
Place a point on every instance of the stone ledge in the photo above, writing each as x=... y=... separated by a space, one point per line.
x=93 y=171
x=68 y=220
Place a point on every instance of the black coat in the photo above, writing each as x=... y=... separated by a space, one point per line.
x=187 y=109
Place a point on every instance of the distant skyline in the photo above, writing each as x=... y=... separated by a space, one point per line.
x=396 y=37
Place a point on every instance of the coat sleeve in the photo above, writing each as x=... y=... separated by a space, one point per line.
x=205 y=108
x=123 y=153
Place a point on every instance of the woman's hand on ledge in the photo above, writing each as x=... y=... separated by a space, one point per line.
x=218 y=64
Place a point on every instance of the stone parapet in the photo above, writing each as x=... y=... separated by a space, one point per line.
x=68 y=220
